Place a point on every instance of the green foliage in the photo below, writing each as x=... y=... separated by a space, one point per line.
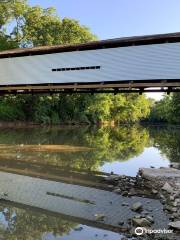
x=121 y=108
x=175 y=108
x=167 y=109
x=35 y=26
x=10 y=109
x=77 y=108
x=6 y=42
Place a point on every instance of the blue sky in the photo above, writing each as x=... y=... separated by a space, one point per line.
x=116 y=18
x=120 y=18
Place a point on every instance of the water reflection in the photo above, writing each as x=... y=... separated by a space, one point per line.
x=91 y=148
x=59 y=200
x=121 y=150
x=27 y=224
x=21 y=224
x=167 y=140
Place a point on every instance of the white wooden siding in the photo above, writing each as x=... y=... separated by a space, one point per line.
x=146 y=62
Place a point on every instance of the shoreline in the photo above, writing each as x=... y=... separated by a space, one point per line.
x=23 y=124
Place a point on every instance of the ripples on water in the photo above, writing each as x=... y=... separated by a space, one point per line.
x=121 y=150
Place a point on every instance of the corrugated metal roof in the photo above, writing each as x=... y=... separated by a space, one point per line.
x=110 y=43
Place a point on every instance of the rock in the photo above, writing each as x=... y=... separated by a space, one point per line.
x=141 y=222
x=164 y=174
x=174 y=204
x=154 y=191
x=132 y=192
x=167 y=187
x=132 y=180
x=175 y=165
x=125 y=193
x=171 y=217
x=137 y=206
x=111 y=178
x=117 y=190
x=175 y=225
x=172 y=198
x=175 y=215
x=99 y=217
x=162 y=196
x=177 y=194
x=150 y=219
x=170 y=208
x=78 y=229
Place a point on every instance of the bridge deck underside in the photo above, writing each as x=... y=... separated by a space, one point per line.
x=102 y=87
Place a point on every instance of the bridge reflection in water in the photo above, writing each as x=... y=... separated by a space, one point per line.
x=87 y=204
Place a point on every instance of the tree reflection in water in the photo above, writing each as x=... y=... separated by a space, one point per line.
x=167 y=140
x=25 y=224
x=104 y=144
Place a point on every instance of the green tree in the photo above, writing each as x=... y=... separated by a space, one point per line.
x=167 y=109
x=175 y=108
x=35 y=26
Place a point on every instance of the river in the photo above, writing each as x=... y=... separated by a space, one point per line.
x=81 y=149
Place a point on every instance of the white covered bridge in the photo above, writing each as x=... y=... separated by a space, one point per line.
x=133 y=64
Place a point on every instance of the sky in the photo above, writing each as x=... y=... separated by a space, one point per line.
x=120 y=18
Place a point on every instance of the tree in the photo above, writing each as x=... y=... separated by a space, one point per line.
x=175 y=108
x=6 y=42
x=167 y=109
x=35 y=26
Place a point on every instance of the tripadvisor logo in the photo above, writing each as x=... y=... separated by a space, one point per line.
x=141 y=230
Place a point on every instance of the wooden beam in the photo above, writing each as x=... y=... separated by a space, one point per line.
x=92 y=86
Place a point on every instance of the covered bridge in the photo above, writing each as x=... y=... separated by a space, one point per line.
x=133 y=64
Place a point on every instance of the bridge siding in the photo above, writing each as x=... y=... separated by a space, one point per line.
x=145 y=62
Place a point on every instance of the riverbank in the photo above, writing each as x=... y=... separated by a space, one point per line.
x=24 y=124
x=118 y=203
x=162 y=184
